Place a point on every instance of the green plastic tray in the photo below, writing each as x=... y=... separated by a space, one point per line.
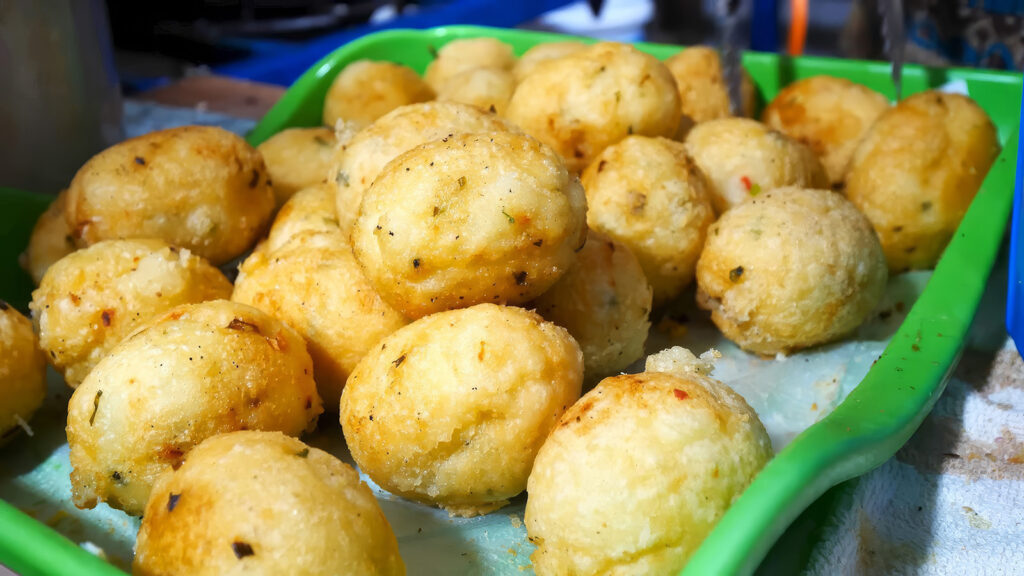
x=862 y=432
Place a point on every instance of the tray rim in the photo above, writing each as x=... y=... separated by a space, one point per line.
x=878 y=416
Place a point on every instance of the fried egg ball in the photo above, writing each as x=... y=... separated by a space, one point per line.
x=584 y=102
x=649 y=195
x=831 y=115
x=195 y=371
x=366 y=90
x=309 y=210
x=297 y=158
x=743 y=158
x=50 y=240
x=639 y=471
x=198 y=187
x=22 y=372
x=472 y=218
x=790 y=269
x=357 y=163
x=314 y=284
x=541 y=53
x=451 y=409
x=702 y=92
x=264 y=503
x=458 y=56
x=91 y=299
x=486 y=88
x=916 y=172
x=604 y=301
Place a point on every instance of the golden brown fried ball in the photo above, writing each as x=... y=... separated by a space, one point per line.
x=358 y=163
x=91 y=299
x=314 y=284
x=50 y=240
x=366 y=90
x=196 y=371
x=703 y=93
x=790 y=269
x=472 y=218
x=743 y=158
x=604 y=301
x=309 y=210
x=264 y=503
x=486 y=88
x=198 y=187
x=458 y=56
x=451 y=409
x=22 y=372
x=916 y=172
x=831 y=115
x=298 y=158
x=584 y=102
x=541 y=53
x=640 y=470
x=649 y=195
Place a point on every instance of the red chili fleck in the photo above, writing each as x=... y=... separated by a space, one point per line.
x=746 y=183
x=680 y=394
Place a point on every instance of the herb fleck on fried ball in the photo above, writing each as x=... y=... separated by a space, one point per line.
x=790 y=269
x=264 y=503
x=194 y=372
x=451 y=409
x=22 y=372
x=468 y=219
x=583 y=103
x=831 y=115
x=297 y=158
x=640 y=469
x=198 y=187
x=649 y=195
x=91 y=299
x=366 y=90
x=357 y=163
x=743 y=158
x=916 y=172
x=604 y=301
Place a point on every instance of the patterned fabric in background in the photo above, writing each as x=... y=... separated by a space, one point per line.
x=979 y=33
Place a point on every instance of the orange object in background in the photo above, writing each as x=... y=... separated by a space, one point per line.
x=797 y=27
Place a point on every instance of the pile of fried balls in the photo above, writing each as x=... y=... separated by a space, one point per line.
x=459 y=267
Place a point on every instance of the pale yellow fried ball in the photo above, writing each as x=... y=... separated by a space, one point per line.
x=831 y=115
x=366 y=90
x=468 y=219
x=790 y=269
x=486 y=88
x=451 y=409
x=264 y=503
x=22 y=372
x=541 y=53
x=702 y=91
x=198 y=187
x=916 y=172
x=50 y=240
x=357 y=163
x=309 y=210
x=314 y=284
x=458 y=56
x=604 y=301
x=743 y=157
x=640 y=470
x=649 y=195
x=91 y=299
x=584 y=102
x=196 y=371
x=297 y=158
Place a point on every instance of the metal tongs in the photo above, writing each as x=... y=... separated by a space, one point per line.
x=729 y=19
x=893 y=33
